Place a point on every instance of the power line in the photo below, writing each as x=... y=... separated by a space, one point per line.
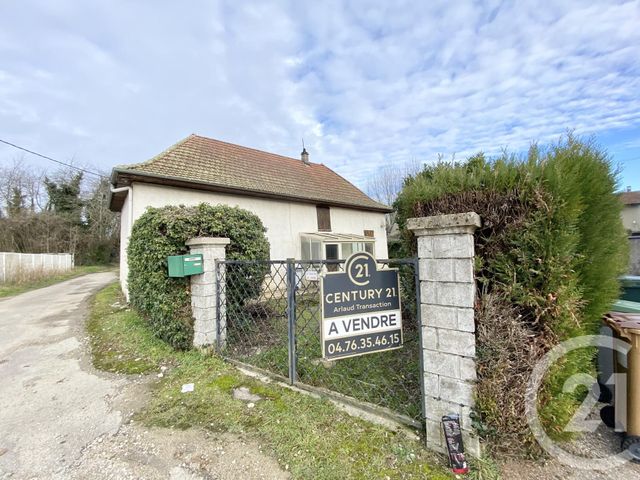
x=52 y=159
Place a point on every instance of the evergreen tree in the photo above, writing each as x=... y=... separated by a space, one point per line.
x=64 y=197
x=15 y=206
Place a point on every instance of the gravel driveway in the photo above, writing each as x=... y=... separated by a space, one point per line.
x=60 y=418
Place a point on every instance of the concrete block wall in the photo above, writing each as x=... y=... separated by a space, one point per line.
x=204 y=301
x=447 y=290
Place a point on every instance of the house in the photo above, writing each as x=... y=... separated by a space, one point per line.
x=631 y=221
x=309 y=211
x=631 y=210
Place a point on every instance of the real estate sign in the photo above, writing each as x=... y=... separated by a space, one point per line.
x=360 y=309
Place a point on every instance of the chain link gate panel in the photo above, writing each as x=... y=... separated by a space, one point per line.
x=273 y=316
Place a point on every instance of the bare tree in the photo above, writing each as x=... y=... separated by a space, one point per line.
x=61 y=212
x=102 y=226
x=18 y=180
x=387 y=182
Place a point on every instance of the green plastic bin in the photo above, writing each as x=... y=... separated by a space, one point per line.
x=625 y=306
x=630 y=288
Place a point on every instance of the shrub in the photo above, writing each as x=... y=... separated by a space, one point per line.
x=549 y=252
x=165 y=302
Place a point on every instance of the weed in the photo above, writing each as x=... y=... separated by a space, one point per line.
x=120 y=340
x=310 y=436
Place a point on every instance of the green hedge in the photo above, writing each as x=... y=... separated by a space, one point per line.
x=166 y=302
x=548 y=253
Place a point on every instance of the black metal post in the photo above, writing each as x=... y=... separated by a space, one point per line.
x=216 y=272
x=416 y=273
x=291 y=315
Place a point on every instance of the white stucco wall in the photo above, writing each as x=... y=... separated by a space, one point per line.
x=125 y=232
x=283 y=220
x=631 y=217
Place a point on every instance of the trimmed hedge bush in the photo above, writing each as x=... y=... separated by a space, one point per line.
x=166 y=302
x=549 y=252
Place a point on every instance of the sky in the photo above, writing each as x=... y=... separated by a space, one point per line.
x=367 y=85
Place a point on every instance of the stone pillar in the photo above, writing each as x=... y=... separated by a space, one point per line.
x=204 y=301
x=447 y=290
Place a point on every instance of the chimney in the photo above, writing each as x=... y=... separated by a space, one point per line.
x=305 y=156
x=628 y=188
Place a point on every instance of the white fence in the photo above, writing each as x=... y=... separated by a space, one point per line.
x=16 y=266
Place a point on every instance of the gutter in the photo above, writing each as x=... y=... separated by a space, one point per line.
x=187 y=183
x=129 y=192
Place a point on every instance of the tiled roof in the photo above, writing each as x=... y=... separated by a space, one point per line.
x=630 y=198
x=205 y=161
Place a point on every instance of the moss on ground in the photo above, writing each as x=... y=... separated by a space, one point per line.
x=120 y=340
x=310 y=437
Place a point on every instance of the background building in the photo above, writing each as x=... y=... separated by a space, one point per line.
x=631 y=221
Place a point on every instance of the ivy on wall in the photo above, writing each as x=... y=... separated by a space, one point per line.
x=165 y=302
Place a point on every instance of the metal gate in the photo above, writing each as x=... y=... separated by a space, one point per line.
x=268 y=318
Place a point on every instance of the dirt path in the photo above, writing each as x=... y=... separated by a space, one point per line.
x=59 y=418
x=601 y=443
x=136 y=452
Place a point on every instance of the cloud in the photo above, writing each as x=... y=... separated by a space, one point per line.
x=480 y=78
x=366 y=84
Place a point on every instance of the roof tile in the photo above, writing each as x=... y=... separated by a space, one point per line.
x=205 y=160
x=630 y=198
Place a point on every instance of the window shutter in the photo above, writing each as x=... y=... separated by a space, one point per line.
x=324 y=219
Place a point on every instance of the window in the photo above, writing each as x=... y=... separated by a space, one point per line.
x=324 y=219
x=316 y=250
x=349 y=248
x=332 y=251
x=311 y=249
x=333 y=246
x=306 y=249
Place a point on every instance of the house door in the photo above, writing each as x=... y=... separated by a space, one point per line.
x=332 y=253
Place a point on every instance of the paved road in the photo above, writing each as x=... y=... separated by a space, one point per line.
x=50 y=406
x=60 y=418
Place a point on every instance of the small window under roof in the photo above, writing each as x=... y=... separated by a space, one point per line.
x=332 y=246
x=337 y=237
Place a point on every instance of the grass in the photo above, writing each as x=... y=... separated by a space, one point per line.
x=388 y=379
x=120 y=340
x=10 y=289
x=309 y=437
